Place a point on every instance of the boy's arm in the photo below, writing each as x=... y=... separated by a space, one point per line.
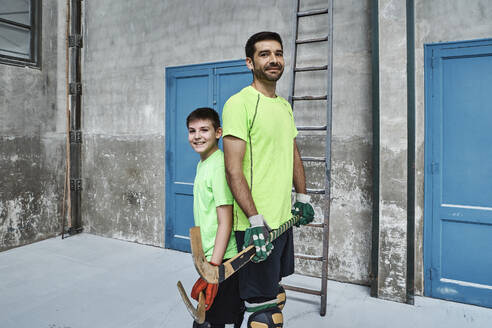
x=224 y=218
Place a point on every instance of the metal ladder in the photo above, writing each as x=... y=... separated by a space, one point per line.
x=328 y=40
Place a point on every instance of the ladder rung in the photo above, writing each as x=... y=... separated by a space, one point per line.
x=302 y=290
x=312 y=191
x=308 y=257
x=310 y=98
x=312 y=12
x=311 y=128
x=316 y=225
x=311 y=68
x=312 y=40
x=313 y=159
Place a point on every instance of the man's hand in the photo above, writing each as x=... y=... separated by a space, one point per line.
x=257 y=235
x=210 y=291
x=303 y=208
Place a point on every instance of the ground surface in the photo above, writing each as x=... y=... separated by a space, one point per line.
x=86 y=281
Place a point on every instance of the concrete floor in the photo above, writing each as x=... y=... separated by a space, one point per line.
x=90 y=281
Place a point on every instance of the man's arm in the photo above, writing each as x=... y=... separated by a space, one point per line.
x=234 y=149
x=299 y=176
x=302 y=205
x=224 y=228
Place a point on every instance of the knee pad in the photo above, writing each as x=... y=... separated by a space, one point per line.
x=281 y=297
x=268 y=318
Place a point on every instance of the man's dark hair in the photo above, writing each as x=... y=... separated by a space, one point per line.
x=204 y=113
x=260 y=36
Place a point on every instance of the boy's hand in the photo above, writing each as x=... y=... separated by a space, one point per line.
x=258 y=235
x=303 y=208
x=210 y=291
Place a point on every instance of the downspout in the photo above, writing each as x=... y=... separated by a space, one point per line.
x=375 y=149
x=67 y=204
x=411 y=152
x=74 y=118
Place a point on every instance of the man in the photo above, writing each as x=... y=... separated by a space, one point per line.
x=262 y=161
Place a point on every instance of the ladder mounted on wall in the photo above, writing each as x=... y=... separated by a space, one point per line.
x=293 y=99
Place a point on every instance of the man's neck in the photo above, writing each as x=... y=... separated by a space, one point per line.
x=267 y=89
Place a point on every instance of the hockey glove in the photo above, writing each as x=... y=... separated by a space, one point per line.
x=258 y=235
x=210 y=291
x=303 y=208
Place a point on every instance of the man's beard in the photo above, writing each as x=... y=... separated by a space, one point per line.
x=262 y=75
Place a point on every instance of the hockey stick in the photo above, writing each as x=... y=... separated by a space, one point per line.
x=216 y=274
x=198 y=314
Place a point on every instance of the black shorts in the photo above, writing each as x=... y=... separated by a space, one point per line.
x=258 y=282
x=227 y=306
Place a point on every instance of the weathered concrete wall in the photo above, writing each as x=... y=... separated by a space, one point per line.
x=32 y=142
x=392 y=260
x=125 y=54
x=439 y=21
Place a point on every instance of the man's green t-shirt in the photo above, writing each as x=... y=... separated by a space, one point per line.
x=267 y=126
x=210 y=190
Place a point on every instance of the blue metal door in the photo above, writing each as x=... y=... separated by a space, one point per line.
x=187 y=88
x=458 y=181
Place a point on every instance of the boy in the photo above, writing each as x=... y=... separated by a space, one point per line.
x=212 y=208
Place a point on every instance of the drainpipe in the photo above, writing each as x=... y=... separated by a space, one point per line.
x=411 y=152
x=74 y=118
x=375 y=149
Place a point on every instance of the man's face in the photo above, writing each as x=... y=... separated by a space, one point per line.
x=267 y=63
x=203 y=137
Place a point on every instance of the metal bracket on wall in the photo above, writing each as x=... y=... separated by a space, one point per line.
x=76 y=137
x=75 y=41
x=75 y=88
x=76 y=184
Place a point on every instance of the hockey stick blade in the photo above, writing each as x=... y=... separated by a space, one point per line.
x=217 y=274
x=198 y=314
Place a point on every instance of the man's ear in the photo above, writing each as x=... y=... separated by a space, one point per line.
x=218 y=133
x=249 y=63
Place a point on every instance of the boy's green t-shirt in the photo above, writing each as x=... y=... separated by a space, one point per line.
x=210 y=190
x=267 y=126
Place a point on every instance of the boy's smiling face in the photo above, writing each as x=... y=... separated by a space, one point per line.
x=203 y=137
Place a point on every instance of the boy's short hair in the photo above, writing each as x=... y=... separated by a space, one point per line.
x=260 y=36
x=204 y=113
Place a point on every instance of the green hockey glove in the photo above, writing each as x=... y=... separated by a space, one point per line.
x=303 y=208
x=257 y=235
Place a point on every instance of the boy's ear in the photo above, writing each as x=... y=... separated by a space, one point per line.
x=218 y=133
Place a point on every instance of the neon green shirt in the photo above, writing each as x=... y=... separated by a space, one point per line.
x=210 y=190
x=267 y=126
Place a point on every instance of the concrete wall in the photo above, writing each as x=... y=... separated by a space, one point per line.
x=392 y=262
x=439 y=21
x=127 y=47
x=32 y=140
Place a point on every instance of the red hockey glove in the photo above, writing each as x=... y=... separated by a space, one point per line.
x=210 y=291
